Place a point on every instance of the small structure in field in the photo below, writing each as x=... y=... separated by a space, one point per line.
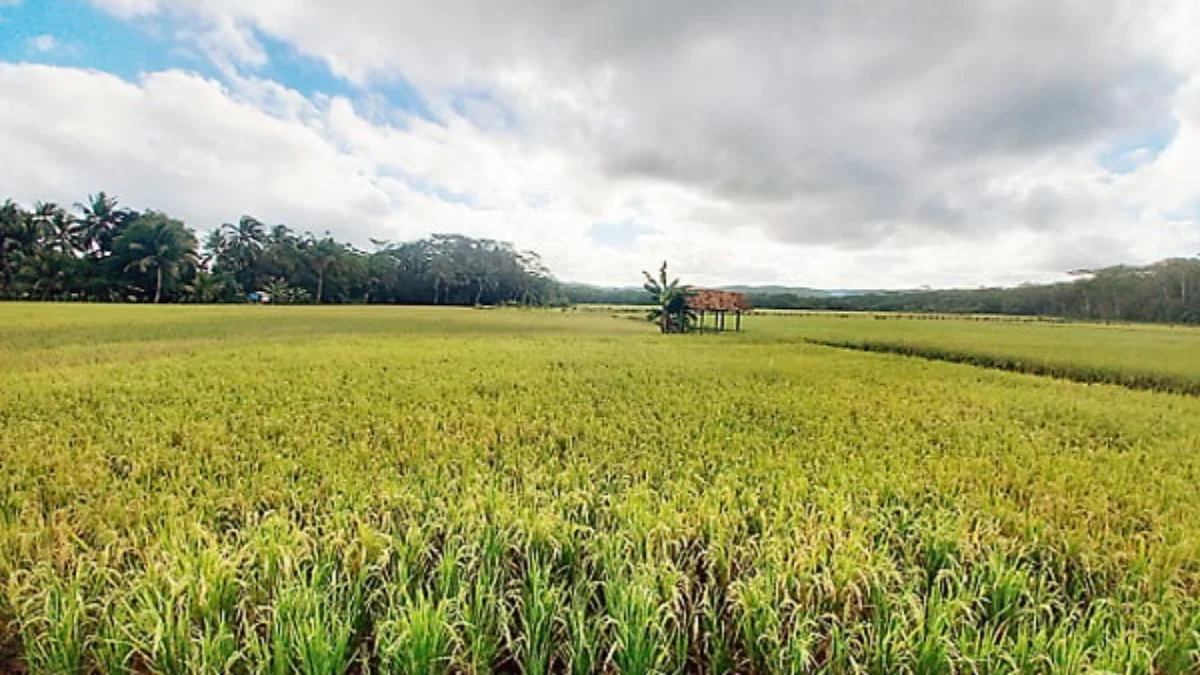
x=719 y=303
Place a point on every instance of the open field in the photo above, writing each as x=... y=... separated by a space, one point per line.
x=1144 y=356
x=400 y=490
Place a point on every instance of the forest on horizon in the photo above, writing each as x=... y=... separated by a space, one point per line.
x=101 y=251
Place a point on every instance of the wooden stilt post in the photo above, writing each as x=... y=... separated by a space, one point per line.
x=717 y=303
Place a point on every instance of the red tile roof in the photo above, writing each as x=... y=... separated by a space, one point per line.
x=708 y=299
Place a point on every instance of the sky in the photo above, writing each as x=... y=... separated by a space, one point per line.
x=818 y=143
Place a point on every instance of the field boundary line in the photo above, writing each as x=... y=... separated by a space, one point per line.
x=1138 y=380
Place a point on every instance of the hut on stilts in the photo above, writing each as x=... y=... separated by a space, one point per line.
x=719 y=303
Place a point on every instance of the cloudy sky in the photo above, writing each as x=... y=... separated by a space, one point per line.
x=828 y=143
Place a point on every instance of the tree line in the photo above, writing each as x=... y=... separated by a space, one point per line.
x=99 y=250
x=1167 y=291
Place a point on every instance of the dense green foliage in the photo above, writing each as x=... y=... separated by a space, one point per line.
x=52 y=253
x=1167 y=291
x=103 y=252
x=585 y=294
x=369 y=489
x=669 y=302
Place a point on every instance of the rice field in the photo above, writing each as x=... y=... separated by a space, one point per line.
x=400 y=490
x=1141 y=356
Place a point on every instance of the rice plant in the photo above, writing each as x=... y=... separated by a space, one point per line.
x=379 y=490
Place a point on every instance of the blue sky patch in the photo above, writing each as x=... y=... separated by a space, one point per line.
x=300 y=72
x=86 y=37
x=311 y=77
x=74 y=33
x=1131 y=152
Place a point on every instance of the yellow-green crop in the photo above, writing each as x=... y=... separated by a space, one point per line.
x=397 y=490
x=1142 y=356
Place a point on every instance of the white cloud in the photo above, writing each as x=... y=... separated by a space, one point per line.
x=226 y=42
x=807 y=143
x=173 y=141
x=43 y=44
x=129 y=8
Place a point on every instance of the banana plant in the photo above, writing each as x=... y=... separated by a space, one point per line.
x=671 y=311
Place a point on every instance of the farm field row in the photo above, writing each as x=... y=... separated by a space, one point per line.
x=400 y=490
x=1140 y=356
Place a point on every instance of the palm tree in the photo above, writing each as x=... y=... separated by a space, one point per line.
x=57 y=228
x=14 y=233
x=284 y=294
x=244 y=244
x=159 y=242
x=101 y=221
x=281 y=234
x=208 y=288
x=321 y=255
x=671 y=311
x=214 y=247
x=54 y=227
x=249 y=232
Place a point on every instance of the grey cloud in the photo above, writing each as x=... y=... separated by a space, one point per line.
x=1045 y=206
x=871 y=125
x=1044 y=113
x=819 y=121
x=1082 y=252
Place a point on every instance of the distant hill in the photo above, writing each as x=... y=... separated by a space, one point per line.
x=586 y=294
x=1166 y=291
x=799 y=291
x=634 y=295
